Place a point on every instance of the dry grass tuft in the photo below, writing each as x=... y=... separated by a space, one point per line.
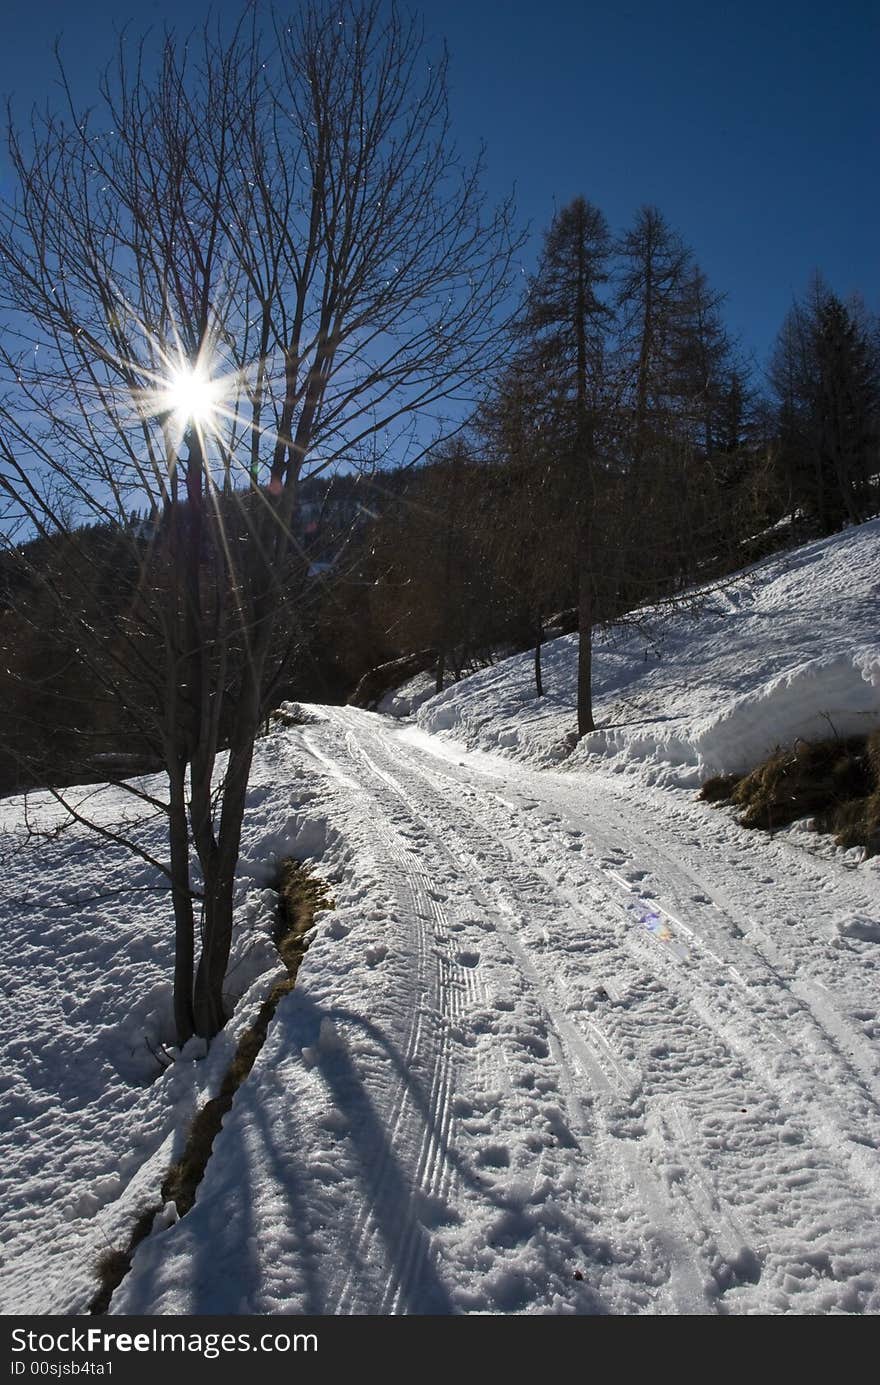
x=719 y=788
x=114 y=1265
x=302 y=895
x=834 y=782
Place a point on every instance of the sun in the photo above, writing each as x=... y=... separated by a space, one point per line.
x=193 y=397
x=188 y=390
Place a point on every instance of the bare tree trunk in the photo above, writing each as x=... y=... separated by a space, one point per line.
x=450 y=535
x=539 y=640
x=181 y=896
x=219 y=873
x=218 y=852
x=586 y=507
x=585 y=623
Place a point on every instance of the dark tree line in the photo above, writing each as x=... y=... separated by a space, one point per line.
x=825 y=391
x=61 y=726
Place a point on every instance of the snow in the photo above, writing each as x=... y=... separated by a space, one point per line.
x=712 y=687
x=90 y=1113
x=406 y=700
x=571 y=1041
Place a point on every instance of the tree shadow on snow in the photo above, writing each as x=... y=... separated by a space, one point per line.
x=398 y=1207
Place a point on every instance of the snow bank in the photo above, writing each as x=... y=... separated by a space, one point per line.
x=409 y=697
x=817 y=699
x=778 y=653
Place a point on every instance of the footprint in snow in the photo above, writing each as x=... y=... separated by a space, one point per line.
x=494 y=1157
x=488 y=925
x=534 y=1044
x=433 y=1211
x=467 y=959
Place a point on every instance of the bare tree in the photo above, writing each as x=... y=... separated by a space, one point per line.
x=263 y=261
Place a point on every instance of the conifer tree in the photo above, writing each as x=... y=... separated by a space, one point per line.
x=825 y=379
x=565 y=329
x=654 y=276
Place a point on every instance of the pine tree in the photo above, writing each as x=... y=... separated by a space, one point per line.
x=565 y=328
x=825 y=379
x=705 y=381
x=654 y=283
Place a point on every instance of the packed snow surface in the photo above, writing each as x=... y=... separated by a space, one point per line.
x=571 y=1041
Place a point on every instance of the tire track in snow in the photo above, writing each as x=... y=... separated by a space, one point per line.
x=850 y=1073
x=420 y=1138
x=574 y=1053
x=846 y=1105
x=726 y=1227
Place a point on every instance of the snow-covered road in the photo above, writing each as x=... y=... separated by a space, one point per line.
x=567 y=1044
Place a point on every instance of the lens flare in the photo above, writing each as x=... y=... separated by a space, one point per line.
x=193 y=397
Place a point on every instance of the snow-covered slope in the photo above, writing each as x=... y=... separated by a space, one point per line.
x=90 y=1117
x=570 y=1042
x=789 y=649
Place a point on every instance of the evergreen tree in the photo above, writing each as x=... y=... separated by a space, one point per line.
x=565 y=328
x=825 y=379
x=705 y=380
x=655 y=283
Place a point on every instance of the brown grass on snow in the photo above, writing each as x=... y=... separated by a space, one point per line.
x=835 y=782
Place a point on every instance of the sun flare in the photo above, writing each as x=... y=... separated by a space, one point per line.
x=185 y=390
x=193 y=397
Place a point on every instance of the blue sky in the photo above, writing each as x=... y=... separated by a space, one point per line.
x=754 y=127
